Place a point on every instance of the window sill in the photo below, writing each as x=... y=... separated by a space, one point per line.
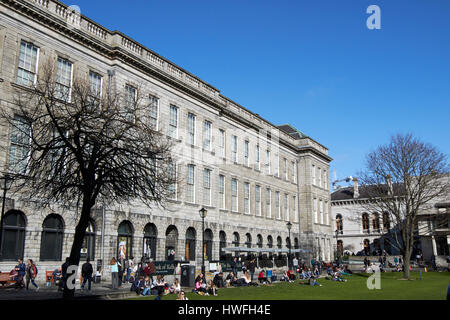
x=192 y=204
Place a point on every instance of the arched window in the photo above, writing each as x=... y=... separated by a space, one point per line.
x=365 y=222
x=150 y=240
x=248 y=241
x=88 y=247
x=13 y=235
x=171 y=242
x=190 y=244
x=386 y=221
x=288 y=242
x=279 y=242
x=125 y=240
x=339 y=223
x=269 y=241
x=52 y=238
x=207 y=246
x=375 y=222
x=259 y=241
x=222 y=244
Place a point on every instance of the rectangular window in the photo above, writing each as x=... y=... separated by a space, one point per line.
x=277 y=165
x=268 y=203
x=258 y=200
x=319 y=176
x=268 y=161
x=321 y=211
x=207 y=135
x=286 y=169
x=257 y=157
x=222 y=143
x=130 y=102
x=63 y=83
x=207 y=187
x=95 y=84
x=20 y=145
x=316 y=218
x=191 y=128
x=28 y=64
x=190 y=191
x=277 y=204
x=246 y=161
x=173 y=122
x=172 y=170
x=286 y=206
x=294 y=172
x=313 y=174
x=246 y=198
x=234 y=195
x=234 y=149
x=153 y=106
x=327 y=221
x=221 y=191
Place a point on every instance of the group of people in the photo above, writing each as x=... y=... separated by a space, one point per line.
x=24 y=274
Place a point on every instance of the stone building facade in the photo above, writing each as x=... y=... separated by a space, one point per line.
x=358 y=231
x=252 y=176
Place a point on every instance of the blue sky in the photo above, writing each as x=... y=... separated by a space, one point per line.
x=313 y=64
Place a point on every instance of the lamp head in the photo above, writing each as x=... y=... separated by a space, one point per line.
x=203 y=212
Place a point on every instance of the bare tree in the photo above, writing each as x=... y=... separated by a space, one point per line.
x=84 y=146
x=401 y=178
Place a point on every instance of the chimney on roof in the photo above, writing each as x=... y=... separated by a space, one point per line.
x=389 y=184
x=355 y=188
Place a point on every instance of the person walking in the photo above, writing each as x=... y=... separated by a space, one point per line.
x=65 y=265
x=86 y=273
x=295 y=264
x=114 y=273
x=31 y=273
x=21 y=271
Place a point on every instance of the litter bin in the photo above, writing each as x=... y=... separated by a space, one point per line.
x=187 y=275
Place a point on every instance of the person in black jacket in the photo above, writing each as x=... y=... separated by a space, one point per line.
x=65 y=265
x=86 y=273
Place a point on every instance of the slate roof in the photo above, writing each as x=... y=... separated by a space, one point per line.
x=293 y=132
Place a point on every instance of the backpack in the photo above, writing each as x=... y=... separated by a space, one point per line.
x=35 y=270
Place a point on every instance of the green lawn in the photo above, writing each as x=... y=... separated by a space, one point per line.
x=433 y=286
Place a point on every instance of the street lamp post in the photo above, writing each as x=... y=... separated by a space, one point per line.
x=203 y=212
x=6 y=187
x=289 y=226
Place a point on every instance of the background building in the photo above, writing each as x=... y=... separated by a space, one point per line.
x=360 y=232
x=252 y=176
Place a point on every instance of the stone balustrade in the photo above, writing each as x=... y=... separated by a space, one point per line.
x=114 y=38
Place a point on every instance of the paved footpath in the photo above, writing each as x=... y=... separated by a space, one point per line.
x=99 y=291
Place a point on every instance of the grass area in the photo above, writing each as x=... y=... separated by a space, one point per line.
x=433 y=286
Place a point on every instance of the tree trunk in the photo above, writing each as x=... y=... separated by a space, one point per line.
x=74 y=258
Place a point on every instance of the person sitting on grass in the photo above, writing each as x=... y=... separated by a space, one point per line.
x=182 y=296
x=246 y=277
x=316 y=272
x=175 y=288
x=200 y=286
x=313 y=282
x=231 y=279
x=261 y=278
x=218 y=280
x=212 y=289
x=146 y=286
x=140 y=285
x=337 y=277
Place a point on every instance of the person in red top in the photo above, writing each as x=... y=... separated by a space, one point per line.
x=150 y=269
